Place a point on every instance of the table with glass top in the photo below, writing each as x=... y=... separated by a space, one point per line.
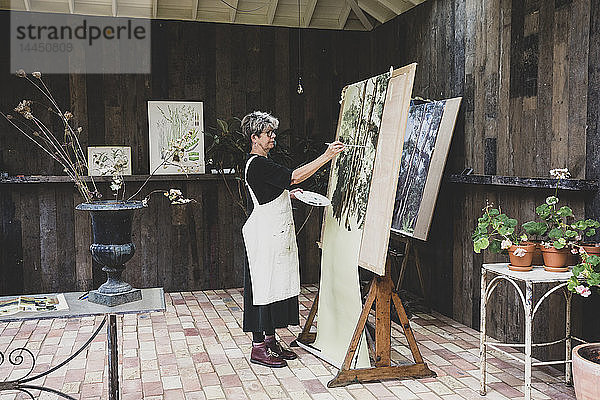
x=152 y=300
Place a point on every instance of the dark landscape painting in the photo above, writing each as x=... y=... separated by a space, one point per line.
x=419 y=143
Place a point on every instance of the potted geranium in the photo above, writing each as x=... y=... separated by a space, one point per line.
x=496 y=231
x=557 y=231
x=557 y=234
x=586 y=228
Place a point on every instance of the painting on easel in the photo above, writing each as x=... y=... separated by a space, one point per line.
x=349 y=182
x=426 y=144
x=374 y=137
x=353 y=168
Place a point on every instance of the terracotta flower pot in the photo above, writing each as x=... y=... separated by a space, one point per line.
x=521 y=263
x=586 y=371
x=592 y=249
x=555 y=260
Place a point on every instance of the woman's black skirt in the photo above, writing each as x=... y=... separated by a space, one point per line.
x=268 y=317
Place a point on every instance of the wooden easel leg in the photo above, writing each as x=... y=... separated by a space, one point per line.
x=381 y=291
x=306 y=336
x=407 y=249
x=383 y=324
x=360 y=325
x=410 y=247
x=410 y=336
x=420 y=272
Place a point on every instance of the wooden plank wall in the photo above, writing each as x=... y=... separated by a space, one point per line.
x=233 y=69
x=527 y=69
x=522 y=67
x=592 y=325
x=46 y=241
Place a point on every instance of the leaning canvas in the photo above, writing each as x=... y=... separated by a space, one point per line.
x=170 y=122
x=426 y=145
x=382 y=192
x=109 y=160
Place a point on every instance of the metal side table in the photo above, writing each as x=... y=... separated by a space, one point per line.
x=537 y=276
x=152 y=300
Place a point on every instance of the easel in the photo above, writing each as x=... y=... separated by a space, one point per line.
x=410 y=248
x=382 y=294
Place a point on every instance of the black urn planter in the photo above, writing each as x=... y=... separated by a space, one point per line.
x=112 y=248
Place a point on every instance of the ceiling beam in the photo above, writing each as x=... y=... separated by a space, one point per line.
x=233 y=12
x=194 y=10
x=114 y=8
x=393 y=6
x=372 y=9
x=360 y=14
x=308 y=12
x=343 y=18
x=271 y=12
x=71 y=6
x=27 y=5
x=154 y=8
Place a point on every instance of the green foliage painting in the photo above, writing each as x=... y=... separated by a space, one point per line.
x=353 y=168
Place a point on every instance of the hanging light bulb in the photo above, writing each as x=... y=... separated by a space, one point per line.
x=300 y=89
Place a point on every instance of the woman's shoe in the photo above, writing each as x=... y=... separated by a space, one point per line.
x=263 y=355
x=276 y=348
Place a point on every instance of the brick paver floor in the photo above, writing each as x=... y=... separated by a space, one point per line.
x=197 y=350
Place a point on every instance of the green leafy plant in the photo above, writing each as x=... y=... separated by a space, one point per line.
x=554 y=228
x=227 y=151
x=585 y=274
x=496 y=231
x=585 y=228
x=557 y=228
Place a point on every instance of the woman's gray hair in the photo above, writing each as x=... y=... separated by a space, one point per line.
x=256 y=122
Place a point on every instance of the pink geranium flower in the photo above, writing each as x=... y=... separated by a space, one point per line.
x=583 y=290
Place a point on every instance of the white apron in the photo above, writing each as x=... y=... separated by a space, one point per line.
x=270 y=239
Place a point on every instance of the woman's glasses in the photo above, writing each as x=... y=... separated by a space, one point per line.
x=270 y=133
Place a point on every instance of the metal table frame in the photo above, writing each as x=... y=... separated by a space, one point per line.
x=152 y=300
x=536 y=276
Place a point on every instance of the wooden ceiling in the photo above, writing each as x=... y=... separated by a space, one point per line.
x=324 y=14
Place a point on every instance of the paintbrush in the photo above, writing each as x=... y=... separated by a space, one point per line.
x=348 y=145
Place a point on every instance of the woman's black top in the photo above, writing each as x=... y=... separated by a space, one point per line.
x=267 y=180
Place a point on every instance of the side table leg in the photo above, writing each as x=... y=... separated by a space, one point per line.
x=482 y=326
x=113 y=359
x=568 y=343
x=528 y=339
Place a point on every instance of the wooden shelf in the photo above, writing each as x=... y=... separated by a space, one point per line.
x=580 y=185
x=29 y=179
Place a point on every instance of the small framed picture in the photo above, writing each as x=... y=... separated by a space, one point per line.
x=176 y=133
x=109 y=160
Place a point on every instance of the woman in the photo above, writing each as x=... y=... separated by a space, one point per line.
x=272 y=279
